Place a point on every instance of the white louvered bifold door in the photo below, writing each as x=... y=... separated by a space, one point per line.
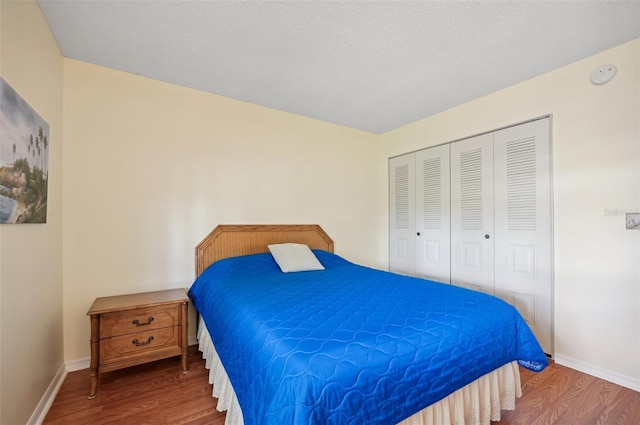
x=402 y=230
x=472 y=213
x=522 y=198
x=477 y=213
x=432 y=214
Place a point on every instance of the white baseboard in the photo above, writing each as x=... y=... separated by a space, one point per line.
x=78 y=364
x=607 y=375
x=49 y=396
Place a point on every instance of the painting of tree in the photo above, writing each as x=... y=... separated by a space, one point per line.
x=24 y=160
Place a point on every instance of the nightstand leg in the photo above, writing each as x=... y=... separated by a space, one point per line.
x=185 y=337
x=94 y=384
x=95 y=353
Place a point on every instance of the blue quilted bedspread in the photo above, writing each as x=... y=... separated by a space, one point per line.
x=350 y=344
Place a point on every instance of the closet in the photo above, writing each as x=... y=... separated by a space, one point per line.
x=477 y=213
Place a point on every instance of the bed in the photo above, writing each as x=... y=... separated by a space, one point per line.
x=347 y=344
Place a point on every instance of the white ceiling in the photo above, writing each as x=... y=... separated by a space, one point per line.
x=368 y=65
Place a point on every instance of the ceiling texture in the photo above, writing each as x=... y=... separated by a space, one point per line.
x=369 y=65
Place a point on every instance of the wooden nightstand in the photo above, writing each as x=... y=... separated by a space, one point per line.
x=128 y=330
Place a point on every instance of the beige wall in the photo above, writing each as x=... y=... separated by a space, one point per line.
x=31 y=254
x=151 y=168
x=596 y=154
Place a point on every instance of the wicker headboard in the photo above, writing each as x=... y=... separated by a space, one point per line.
x=243 y=239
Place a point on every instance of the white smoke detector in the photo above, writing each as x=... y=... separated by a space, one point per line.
x=603 y=74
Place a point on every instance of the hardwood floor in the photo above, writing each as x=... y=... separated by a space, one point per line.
x=159 y=393
x=562 y=396
x=153 y=393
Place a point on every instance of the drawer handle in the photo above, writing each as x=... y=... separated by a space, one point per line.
x=138 y=343
x=148 y=322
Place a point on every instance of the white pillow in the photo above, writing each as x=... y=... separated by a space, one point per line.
x=294 y=257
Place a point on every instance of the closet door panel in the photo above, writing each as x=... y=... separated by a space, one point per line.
x=432 y=214
x=477 y=213
x=522 y=191
x=402 y=231
x=472 y=213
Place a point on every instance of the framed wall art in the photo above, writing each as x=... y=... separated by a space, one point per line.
x=24 y=160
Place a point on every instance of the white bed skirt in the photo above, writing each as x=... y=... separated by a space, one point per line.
x=475 y=404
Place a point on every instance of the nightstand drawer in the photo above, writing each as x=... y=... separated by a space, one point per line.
x=115 y=348
x=139 y=320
